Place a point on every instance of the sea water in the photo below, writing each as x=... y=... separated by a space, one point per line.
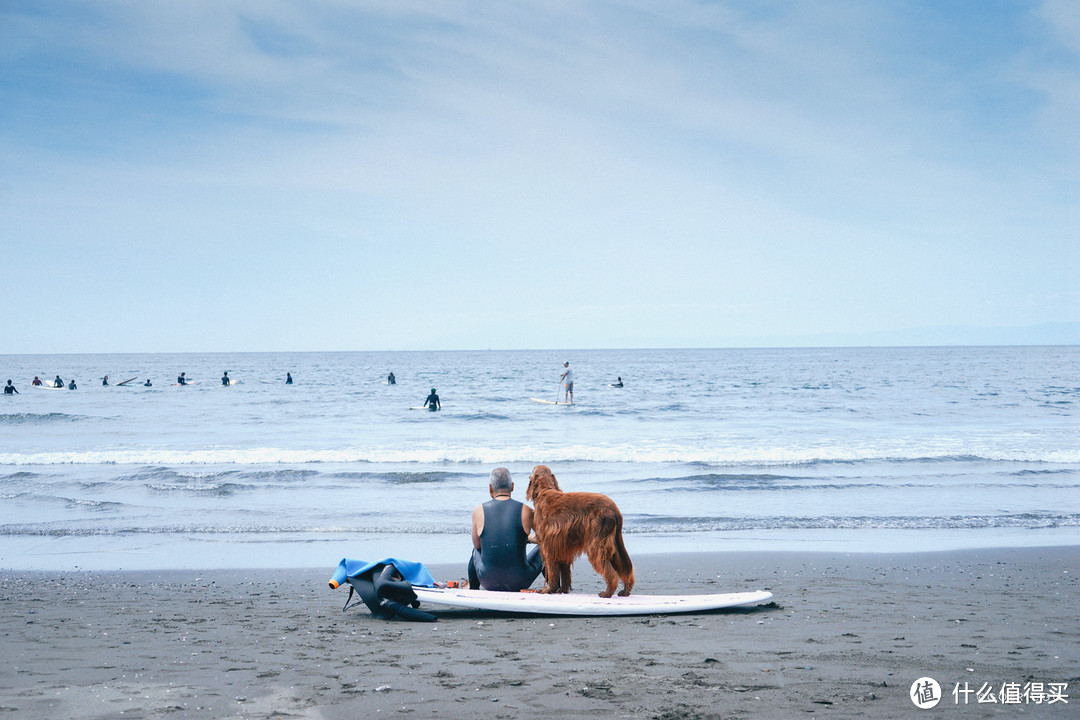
x=859 y=449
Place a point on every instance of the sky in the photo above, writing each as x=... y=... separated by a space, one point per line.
x=258 y=175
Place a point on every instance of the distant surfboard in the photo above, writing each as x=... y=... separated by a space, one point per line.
x=125 y=382
x=580 y=604
x=549 y=402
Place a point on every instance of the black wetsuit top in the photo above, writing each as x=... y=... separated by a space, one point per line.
x=432 y=402
x=10 y=390
x=502 y=564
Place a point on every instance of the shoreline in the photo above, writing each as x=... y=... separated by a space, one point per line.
x=845 y=635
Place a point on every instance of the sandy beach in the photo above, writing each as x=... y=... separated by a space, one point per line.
x=845 y=637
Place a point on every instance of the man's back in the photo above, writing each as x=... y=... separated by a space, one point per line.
x=502 y=547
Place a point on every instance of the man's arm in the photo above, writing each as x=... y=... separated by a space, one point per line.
x=477 y=525
x=526 y=522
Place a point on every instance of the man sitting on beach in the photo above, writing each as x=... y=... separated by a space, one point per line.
x=501 y=530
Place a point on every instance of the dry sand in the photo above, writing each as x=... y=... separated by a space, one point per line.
x=845 y=637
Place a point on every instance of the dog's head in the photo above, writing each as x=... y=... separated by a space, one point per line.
x=540 y=480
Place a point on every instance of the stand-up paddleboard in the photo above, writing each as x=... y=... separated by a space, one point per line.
x=550 y=402
x=125 y=382
x=581 y=604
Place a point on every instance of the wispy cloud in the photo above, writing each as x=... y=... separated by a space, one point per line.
x=840 y=166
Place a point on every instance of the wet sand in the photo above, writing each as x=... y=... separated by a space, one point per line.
x=845 y=636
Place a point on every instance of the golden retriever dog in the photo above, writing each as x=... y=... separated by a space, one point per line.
x=568 y=524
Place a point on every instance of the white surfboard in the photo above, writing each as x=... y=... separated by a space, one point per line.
x=549 y=402
x=581 y=604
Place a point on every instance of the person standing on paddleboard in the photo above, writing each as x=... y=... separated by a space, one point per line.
x=567 y=378
x=501 y=530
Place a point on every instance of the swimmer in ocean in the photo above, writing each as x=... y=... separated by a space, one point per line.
x=10 y=389
x=72 y=385
x=148 y=383
x=105 y=381
x=391 y=380
x=432 y=403
x=225 y=380
x=288 y=378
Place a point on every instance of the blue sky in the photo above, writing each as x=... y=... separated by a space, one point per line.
x=259 y=175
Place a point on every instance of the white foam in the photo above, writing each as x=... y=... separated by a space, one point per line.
x=634 y=453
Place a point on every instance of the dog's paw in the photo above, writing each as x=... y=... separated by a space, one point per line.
x=624 y=593
x=605 y=594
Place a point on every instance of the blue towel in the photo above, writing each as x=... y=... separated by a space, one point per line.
x=414 y=572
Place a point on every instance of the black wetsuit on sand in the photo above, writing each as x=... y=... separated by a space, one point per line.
x=502 y=562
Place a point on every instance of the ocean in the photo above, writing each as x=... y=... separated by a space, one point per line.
x=840 y=450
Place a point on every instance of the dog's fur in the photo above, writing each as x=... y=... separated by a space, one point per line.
x=568 y=524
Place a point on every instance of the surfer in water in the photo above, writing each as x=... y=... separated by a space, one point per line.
x=225 y=379
x=617 y=383
x=288 y=378
x=182 y=379
x=72 y=385
x=501 y=530
x=37 y=381
x=390 y=379
x=105 y=381
x=432 y=403
x=9 y=389
x=148 y=383
x=567 y=378
x=58 y=383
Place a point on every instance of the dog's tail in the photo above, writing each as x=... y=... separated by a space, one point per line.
x=620 y=559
